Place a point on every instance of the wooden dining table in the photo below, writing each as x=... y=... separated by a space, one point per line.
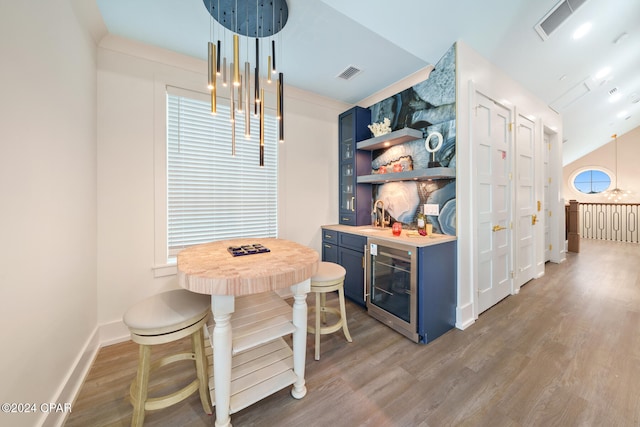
x=250 y=319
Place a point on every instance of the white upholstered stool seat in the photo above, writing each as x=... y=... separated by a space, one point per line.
x=160 y=319
x=328 y=278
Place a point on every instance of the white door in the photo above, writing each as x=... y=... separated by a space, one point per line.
x=492 y=160
x=547 y=199
x=526 y=205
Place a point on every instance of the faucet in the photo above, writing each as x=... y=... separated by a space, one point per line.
x=380 y=221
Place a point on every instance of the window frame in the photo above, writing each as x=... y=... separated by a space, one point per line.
x=582 y=169
x=163 y=264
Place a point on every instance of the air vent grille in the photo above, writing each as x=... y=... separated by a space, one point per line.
x=350 y=72
x=556 y=17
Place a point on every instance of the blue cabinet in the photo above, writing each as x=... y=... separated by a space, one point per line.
x=355 y=202
x=437 y=296
x=347 y=250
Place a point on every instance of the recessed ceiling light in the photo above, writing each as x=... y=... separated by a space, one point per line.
x=603 y=73
x=582 y=30
x=614 y=95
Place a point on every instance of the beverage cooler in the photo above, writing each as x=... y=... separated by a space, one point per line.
x=411 y=289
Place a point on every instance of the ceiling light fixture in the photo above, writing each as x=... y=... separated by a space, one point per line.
x=246 y=19
x=603 y=73
x=616 y=195
x=582 y=31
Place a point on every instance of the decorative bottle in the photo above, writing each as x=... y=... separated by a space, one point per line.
x=422 y=223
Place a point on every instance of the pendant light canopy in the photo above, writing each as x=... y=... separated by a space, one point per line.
x=246 y=20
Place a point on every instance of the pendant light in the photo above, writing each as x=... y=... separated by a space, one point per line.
x=247 y=19
x=616 y=195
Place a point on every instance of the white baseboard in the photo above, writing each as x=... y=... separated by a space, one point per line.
x=70 y=388
x=113 y=333
x=464 y=316
x=103 y=335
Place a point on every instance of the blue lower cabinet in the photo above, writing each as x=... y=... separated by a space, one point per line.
x=352 y=261
x=347 y=250
x=437 y=296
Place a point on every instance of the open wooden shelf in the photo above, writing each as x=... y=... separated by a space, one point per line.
x=390 y=139
x=414 y=175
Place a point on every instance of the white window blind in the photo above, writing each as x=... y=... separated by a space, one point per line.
x=212 y=195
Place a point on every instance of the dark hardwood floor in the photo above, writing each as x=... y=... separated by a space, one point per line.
x=563 y=352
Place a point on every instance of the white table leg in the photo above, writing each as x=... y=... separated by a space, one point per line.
x=300 y=336
x=222 y=307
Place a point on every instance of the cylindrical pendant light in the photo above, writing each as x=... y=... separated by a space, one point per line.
x=273 y=55
x=224 y=71
x=257 y=75
x=232 y=118
x=281 y=106
x=232 y=100
x=218 y=59
x=211 y=58
x=239 y=109
x=262 y=129
x=236 y=60
x=212 y=77
x=247 y=94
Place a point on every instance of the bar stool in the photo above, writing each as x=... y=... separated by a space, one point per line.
x=160 y=319
x=329 y=278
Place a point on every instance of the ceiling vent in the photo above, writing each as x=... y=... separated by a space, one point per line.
x=349 y=72
x=559 y=14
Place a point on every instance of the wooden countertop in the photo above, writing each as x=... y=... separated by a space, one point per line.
x=409 y=237
x=210 y=269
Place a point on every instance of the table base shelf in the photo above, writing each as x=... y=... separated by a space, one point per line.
x=256 y=374
x=262 y=361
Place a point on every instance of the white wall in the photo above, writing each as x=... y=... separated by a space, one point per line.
x=471 y=67
x=131 y=78
x=48 y=294
x=605 y=157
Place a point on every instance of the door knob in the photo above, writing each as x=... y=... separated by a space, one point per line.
x=498 y=228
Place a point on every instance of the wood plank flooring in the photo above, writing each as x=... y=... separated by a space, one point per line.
x=563 y=352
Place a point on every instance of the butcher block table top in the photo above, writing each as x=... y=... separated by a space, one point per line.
x=210 y=268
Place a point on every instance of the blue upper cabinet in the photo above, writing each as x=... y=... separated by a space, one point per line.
x=355 y=199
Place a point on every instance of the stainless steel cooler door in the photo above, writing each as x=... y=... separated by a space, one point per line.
x=391 y=282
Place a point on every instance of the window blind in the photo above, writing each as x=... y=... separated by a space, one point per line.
x=212 y=195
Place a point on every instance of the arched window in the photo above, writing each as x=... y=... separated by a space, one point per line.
x=592 y=181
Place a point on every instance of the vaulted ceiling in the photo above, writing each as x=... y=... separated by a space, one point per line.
x=389 y=42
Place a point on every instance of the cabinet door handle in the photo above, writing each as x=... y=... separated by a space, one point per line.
x=327 y=246
x=365 y=261
x=353 y=203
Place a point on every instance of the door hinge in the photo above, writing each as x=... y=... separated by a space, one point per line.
x=511 y=226
x=549 y=180
x=510 y=176
x=549 y=146
x=550 y=247
x=550 y=213
x=510 y=127
x=513 y=275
